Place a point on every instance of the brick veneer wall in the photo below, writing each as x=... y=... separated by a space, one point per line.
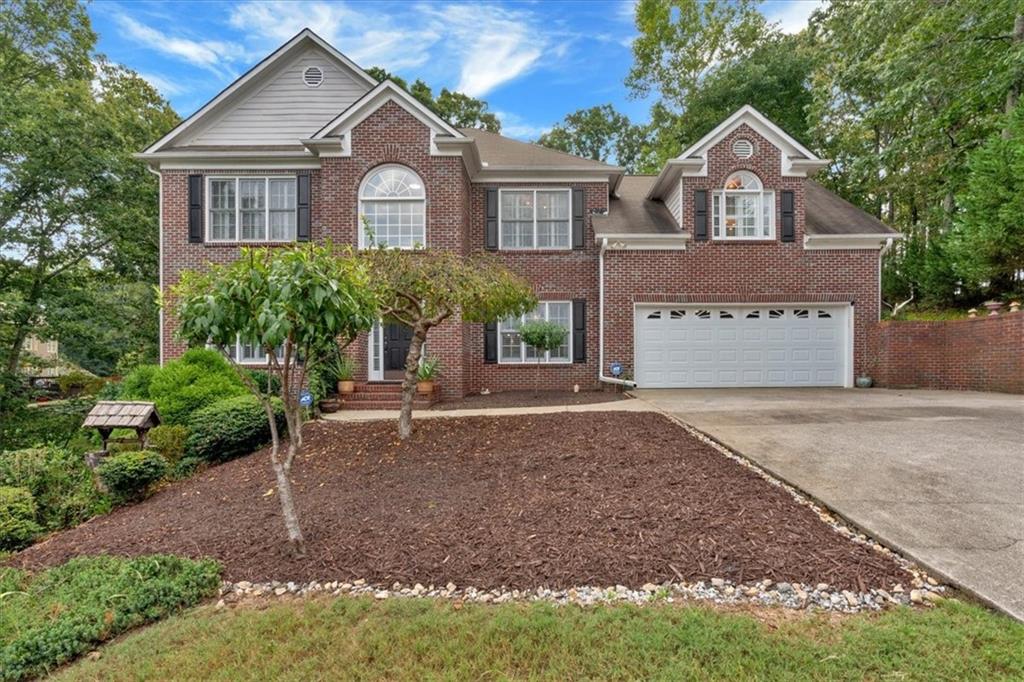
x=740 y=271
x=984 y=354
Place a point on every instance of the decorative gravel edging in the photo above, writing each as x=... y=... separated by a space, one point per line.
x=923 y=588
x=764 y=593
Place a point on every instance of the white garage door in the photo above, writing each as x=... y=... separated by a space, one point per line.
x=722 y=346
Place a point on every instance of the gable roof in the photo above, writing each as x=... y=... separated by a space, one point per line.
x=500 y=152
x=386 y=91
x=304 y=38
x=631 y=212
x=827 y=213
x=756 y=120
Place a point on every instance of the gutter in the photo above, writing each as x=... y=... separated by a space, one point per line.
x=160 y=255
x=600 y=325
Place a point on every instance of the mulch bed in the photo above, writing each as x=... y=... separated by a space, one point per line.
x=552 y=500
x=531 y=398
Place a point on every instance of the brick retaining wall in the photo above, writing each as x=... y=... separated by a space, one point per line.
x=983 y=354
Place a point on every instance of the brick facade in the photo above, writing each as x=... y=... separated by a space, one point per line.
x=769 y=271
x=985 y=354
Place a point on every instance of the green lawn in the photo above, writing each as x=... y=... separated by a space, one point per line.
x=398 y=639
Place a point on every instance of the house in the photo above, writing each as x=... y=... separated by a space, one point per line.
x=731 y=267
x=43 y=357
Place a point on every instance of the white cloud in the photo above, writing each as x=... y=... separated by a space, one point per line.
x=513 y=125
x=164 y=86
x=790 y=15
x=209 y=54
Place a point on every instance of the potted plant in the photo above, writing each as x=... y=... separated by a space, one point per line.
x=344 y=369
x=428 y=372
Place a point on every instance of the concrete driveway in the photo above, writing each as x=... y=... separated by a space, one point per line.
x=937 y=474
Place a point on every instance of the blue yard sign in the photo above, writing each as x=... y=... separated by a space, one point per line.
x=615 y=369
x=305 y=398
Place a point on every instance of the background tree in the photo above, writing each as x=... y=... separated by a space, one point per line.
x=600 y=133
x=458 y=109
x=543 y=336
x=423 y=288
x=295 y=304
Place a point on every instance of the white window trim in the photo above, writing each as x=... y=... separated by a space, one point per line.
x=208 y=209
x=501 y=247
x=547 y=354
x=238 y=355
x=718 y=225
x=361 y=229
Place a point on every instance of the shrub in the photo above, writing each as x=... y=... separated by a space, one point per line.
x=135 y=385
x=59 y=481
x=78 y=382
x=128 y=475
x=168 y=440
x=50 y=617
x=31 y=426
x=199 y=378
x=261 y=378
x=230 y=428
x=18 y=525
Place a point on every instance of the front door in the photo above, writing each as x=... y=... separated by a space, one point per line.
x=397 y=338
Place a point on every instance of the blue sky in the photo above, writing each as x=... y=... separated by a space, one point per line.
x=533 y=62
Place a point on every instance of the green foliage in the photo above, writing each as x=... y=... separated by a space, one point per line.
x=265 y=383
x=59 y=481
x=135 y=386
x=343 y=368
x=53 y=616
x=128 y=475
x=230 y=428
x=168 y=440
x=79 y=383
x=18 y=525
x=198 y=378
x=458 y=109
x=543 y=335
x=58 y=424
x=600 y=133
x=429 y=370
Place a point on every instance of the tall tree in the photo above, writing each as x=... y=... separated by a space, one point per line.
x=458 y=109
x=600 y=133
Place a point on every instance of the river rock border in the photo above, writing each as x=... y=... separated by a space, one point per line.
x=923 y=589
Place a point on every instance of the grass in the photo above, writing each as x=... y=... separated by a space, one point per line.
x=398 y=639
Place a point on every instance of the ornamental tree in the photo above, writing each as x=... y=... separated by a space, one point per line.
x=543 y=336
x=424 y=287
x=295 y=304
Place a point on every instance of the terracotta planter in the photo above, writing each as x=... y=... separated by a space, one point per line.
x=346 y=387
x=328 y=406
x=424 y=387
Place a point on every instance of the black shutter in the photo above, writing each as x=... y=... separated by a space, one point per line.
x=579 y=330
x=491 y=343
x=577 y=219
x=195 y=209
x=788 y=216
x=700 y=215
x=491 y=222
x=302 y=197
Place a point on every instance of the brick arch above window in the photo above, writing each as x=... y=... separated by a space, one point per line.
x=392 y=207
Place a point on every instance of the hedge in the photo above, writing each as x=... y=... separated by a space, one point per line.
x=231 y=428
x=18 y=525
x=53 y=616
x=128 y=475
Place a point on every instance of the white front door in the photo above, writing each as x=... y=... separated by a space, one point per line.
x=713 y=346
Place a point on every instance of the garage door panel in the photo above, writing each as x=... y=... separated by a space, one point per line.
x=741 y=346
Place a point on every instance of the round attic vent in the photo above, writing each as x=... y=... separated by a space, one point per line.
x=313 y=76
x=744 y=149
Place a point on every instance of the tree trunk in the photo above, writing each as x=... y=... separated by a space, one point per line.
x=412 y=365
x=282 y=471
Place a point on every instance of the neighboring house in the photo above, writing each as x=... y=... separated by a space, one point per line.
x=48 y=352
x=729 y=268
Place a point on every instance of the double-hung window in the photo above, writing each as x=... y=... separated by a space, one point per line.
x=535 y=219
x=250 y=353
x=743 y=210
x=512 y=349
x=256 y=209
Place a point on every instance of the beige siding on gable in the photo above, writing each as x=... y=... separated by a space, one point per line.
x=675 y=204
x=285 y=110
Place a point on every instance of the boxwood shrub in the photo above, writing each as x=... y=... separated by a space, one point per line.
x=128 y=475
x=168 y=440
x=231 y=428
x=198 y=378
x=50 y=617
x=18 y=525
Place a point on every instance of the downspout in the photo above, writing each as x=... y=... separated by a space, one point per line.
x=600 y=324
x=160 y=256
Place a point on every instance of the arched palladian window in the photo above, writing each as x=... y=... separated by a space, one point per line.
x=743 y=210
x=393 y=202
